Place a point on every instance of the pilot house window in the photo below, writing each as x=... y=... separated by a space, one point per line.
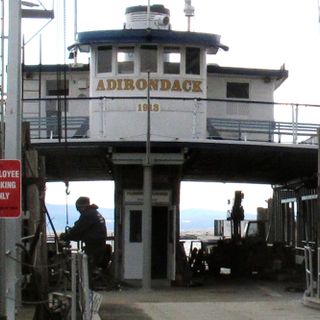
x=104 y=59
x=148 y=56
x=171 y=60
x=125 y=60
x=192 y=60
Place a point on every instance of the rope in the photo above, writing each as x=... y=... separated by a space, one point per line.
x=67 y=207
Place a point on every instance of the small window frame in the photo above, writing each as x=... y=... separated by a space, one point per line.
x=145 y=65
x=193 y=60
x=57 y=88
x=238 y=90
x=127 y=66
x=102 y=67
x=172 y=67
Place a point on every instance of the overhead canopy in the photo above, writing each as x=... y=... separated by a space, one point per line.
x=214 y=160
x=149 y=36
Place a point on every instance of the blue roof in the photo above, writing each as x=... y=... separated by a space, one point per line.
x=149 y=36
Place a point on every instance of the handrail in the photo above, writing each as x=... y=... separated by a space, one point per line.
x=312 y=272
x=77 y=127
x=218 y=126
x=237 y=127
x=309 y=271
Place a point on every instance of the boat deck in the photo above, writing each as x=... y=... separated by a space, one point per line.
x=225 y=298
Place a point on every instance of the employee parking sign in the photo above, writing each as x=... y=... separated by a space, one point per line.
x=10 y=188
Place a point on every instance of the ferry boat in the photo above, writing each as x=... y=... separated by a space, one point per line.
x=145 y=83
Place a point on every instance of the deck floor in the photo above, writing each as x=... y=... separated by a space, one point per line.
x=225 y=299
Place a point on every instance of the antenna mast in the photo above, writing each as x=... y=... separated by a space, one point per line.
x=188 y=11
x=75 y=20
x=148 y=14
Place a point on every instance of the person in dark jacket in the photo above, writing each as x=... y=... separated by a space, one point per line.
x=91 y=229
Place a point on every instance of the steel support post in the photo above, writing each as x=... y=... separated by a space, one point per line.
x=147 y=226
x=318 y=200
x=147 y=203
x=317 y=252
x=11 y=228
x=2 y=271
x=74 y=286
x=87 y=293
x=2 y=224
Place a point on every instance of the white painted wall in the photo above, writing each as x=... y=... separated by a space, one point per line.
x=258 y=91
x=122 y=120
x=78 y=85
x=126 y=119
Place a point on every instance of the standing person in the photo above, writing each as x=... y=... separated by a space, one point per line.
x=91 y=229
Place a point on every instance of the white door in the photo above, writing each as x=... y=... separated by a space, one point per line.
x=133 y=242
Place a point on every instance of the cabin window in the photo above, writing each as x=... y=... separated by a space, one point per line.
x=135 y=226
x=125 y=60
x=238 y=90
x=55 y=88
x=148 y=56
x=193 y=60
x=56 y=107
x=171 y=60
x=104 y=59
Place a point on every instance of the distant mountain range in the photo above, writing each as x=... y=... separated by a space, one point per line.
x=62 y=216
x=190 y=219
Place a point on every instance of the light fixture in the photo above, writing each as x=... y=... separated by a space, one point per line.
x=29 y=4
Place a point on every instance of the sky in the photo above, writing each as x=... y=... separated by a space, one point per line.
x=199 y=195
x=259 y=34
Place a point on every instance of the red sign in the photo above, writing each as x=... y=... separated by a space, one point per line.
x=10 y=189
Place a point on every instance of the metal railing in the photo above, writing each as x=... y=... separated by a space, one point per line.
x=88 y=301
x=58 y=127
x=312 y=269
x=222 y=121
x=270 y=131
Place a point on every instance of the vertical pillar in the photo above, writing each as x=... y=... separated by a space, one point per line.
x=176 y=223
x=118 y=229
x=2 y=271
x=11 y=228
x=318 y=220
x=37 y=224
x=318 y=200
x=74 y=261
x=147 y=201
x=146 y=226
